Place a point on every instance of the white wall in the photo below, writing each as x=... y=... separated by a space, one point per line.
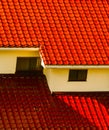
x=97 y=80
x=8 y=59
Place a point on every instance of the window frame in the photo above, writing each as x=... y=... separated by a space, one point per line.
x=77 y=75
x=33 y=63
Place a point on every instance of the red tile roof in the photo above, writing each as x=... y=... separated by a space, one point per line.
x=76 y=107
x=26 y=103
x=68 y=32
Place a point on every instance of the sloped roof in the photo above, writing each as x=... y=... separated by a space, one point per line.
x=26 y=103
x=68 y=32
x=93 y=106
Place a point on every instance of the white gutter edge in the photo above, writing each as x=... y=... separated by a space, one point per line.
x=76 y=66
x=19 y=49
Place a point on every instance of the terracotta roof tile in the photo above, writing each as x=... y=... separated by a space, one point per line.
x=81 y=26
x=30 y=105
x=80 y=101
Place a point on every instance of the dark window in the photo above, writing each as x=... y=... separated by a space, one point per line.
x=28 y=63
x=77 y=75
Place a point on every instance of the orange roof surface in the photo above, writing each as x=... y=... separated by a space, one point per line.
x=26 y=103
x=68 y=32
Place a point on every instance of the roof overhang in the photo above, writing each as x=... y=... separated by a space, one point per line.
x=19 y=49
x=76 y=66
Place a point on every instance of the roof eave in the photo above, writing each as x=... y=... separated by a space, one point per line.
x=19 y=49
x=76 y=66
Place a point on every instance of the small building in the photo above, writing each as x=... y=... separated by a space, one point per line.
x=67 y=40
x=70 y=77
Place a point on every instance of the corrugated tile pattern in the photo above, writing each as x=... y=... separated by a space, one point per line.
x=26 y=103
x=68 y=32
x=92 y=106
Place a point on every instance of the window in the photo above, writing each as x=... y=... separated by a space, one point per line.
x=77 y=75
x=28 y=63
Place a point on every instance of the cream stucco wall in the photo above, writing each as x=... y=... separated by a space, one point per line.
x=97 y=80
x=8 y=59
